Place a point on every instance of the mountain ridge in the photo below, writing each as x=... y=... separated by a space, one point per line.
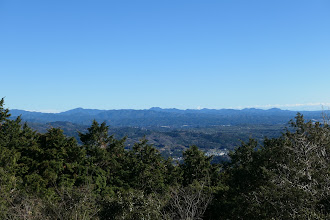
x=157 y=117
x=80 y=109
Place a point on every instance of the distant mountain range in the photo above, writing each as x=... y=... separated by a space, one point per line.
x=173 y=130
x=174 y=118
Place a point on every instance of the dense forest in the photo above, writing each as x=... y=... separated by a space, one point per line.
x=53 y=176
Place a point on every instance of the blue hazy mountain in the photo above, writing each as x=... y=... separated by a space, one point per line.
x=158 y=117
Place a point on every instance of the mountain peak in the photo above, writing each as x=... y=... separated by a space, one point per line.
x=275 y=109
x=82 y=111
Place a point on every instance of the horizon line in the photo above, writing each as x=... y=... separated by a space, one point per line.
x=290 y=107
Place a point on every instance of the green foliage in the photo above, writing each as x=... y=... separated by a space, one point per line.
x=197 y=166
x=97 y=135
x=51 y=176
x=286 y=178
x=8 y=179
x=148 y=168
x=134 y=204
x=4 y=113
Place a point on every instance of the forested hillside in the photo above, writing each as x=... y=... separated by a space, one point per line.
x=50 y=176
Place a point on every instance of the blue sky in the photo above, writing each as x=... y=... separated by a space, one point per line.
x=63 y=54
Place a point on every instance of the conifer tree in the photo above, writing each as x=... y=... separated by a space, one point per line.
x=195 y=166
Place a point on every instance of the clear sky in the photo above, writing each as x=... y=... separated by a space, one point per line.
x=57 y=55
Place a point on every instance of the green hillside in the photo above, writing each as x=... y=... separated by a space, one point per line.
x=50 y=176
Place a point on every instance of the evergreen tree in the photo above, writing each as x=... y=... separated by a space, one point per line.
x=195 y=166
x=148 y=168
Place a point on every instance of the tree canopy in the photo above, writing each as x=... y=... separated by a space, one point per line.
x=51 y=176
